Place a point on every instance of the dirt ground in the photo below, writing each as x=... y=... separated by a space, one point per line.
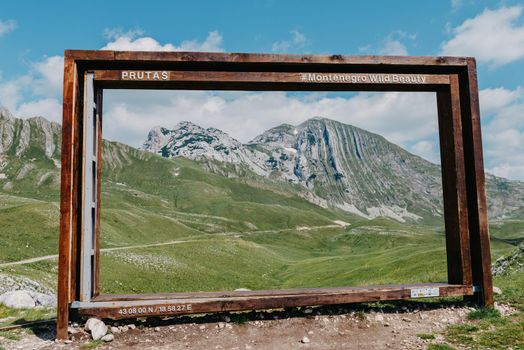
x=339 y=327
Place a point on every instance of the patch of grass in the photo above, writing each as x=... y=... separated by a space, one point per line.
x=426 y=336
x=483 y=314
x=440 y=347
x=18 y=316
x=487 y=328
x=93 y=344
x=511 y=335
x=11 y=335
x=461 y=333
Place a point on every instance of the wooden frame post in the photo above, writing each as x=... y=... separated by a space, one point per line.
x=453 y=79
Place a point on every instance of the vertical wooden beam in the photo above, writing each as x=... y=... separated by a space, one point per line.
x=66 y=198
x=454 y=184
x=477 y=204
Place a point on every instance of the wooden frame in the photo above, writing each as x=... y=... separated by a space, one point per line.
x=452 y=78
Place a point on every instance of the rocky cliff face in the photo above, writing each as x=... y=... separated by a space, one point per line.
x=336 y=165
x=29 y=153
x=353 y=169
x=341 y=166
x=194 y=142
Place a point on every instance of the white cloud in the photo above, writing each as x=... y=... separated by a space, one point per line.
x=493 y=99
x=50 y=76
x=297 y=42
x=244 y=115
x=427 y=149
x=502 y=112
x=495 y=37
x=129 y=41
x=394 y=48
x=7 y=26
x=393 y=44
x=50 y=108
x=11 y=91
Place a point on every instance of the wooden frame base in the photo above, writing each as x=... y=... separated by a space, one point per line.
x=169 y=304
x=87 y=73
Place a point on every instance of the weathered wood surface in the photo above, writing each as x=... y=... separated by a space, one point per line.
x=66 y=199
x=266 y=292
x=454 y=184
x=475 y=179
x=189 y=303
x=223 y=80
x=217 y=57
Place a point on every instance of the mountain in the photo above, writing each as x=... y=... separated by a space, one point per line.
x=217 y=223
x=341 y=166
x=29 y=155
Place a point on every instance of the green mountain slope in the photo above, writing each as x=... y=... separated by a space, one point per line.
x=174 y=225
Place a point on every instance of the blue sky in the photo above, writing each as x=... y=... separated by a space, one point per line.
x=34 y=34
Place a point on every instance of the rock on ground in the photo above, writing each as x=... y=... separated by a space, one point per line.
x=18 y=299
x=97 y=328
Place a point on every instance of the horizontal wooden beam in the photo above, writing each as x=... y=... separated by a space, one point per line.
x=221 y=57
x=144 y=305
x=220 y=80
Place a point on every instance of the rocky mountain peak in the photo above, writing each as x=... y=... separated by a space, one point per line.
x=192 y=141
x=5 y=114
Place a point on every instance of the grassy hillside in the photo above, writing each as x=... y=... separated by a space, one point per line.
x=171 y=225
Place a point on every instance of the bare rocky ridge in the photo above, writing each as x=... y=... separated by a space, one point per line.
x=340 y=165
x=335 y=164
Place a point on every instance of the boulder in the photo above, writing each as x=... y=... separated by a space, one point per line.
x=98 y=331
x=18 y=299
x=97 y=328
x=90 y=323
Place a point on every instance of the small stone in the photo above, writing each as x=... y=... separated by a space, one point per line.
x=202 y=327
x=497 y=290
x=108 y=338
x=310 y=332
x=305 y=340
x=308 y=311
x=98 y=330
x=72 y=330
x=115 y=330
x=405 y=319
x=131 y=326
x=157 y=329
x=90 y=323
x=386 y=324
x=68 y=341
x=221 y=324
x=123 y=328
x=242 y=290
x=379 y=318
x=227 y=319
